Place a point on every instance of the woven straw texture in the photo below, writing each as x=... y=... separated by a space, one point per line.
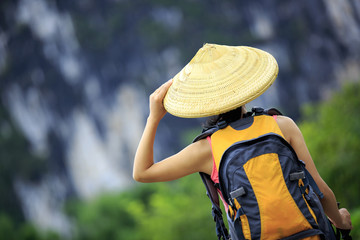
x=218 y=79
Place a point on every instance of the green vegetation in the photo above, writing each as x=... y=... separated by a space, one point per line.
x=332 y=132
x=175 y=210
x=10 y=230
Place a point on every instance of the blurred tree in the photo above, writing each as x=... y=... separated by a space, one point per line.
x=332 y=133
x=355 y=218
x=11 y=230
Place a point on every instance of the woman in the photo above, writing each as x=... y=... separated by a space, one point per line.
x=238 y=68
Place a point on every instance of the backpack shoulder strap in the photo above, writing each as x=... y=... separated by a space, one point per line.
x=272 y=111
x=211 y=190
x=268 y=111
x=211 y=130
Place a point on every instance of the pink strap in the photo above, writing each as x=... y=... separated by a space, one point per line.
x=214 y=173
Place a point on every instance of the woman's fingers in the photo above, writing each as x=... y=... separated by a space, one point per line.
x=164 y=88
x=157 y=109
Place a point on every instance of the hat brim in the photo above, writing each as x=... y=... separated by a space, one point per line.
x=218 y=79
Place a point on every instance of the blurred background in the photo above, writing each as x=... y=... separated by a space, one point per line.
x=75 y=77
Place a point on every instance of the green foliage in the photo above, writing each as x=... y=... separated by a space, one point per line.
x=9 y=230
x=332 y=133
x=355 y=218
x=175 y=210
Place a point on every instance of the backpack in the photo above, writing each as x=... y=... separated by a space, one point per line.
x=266 y=189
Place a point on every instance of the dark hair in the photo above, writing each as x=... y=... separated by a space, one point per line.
x=228 y=117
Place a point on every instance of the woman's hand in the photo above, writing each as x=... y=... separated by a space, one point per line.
x=346 y=220
x=157 y=110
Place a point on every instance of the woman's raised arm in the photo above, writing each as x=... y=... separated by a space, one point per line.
x=194 y=158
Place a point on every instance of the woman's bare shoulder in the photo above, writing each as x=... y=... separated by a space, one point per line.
x=288 y=127
x=284 y=120
x=200 y=155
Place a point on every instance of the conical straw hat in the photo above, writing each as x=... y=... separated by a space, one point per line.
x=219 y=79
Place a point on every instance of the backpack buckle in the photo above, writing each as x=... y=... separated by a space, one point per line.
x=297 y=176
x=222 y=124
x=237 y=193
x=257 y=110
